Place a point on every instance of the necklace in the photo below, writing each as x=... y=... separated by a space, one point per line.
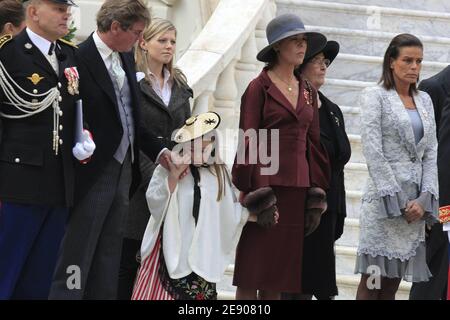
x=287 y=83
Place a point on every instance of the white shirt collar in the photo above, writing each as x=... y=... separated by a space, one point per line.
x=103 y=49
x=166 y=75
x=41 y=43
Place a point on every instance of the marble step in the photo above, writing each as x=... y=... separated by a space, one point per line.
x=375 y=43
x=365 y=17
x=345 y=260
x=350 y=237
x=353 y=203
x=356 y=175
x=346 y=280
x=344 y=92
x=368 y=68
x=352 y=119
x=355 y=143
x=430 y=5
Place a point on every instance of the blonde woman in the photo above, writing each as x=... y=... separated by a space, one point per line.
x=164 y=96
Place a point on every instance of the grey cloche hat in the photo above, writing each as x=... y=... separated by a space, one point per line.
x=284 y=26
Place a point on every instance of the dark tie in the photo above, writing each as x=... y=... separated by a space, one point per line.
x=51 y=49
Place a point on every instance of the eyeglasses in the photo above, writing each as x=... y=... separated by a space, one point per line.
x=325 y=62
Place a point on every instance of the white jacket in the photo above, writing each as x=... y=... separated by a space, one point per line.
x=205 y=249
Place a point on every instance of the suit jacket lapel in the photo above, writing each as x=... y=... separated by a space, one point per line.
x=129 y=69
x=425 y=117
x=446 y=81
x=276 y=94
x=62 y=64
x=38 y=58
x=303 y=95
x=404 y=121
x=96 y=66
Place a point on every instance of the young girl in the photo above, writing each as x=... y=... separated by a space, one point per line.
x=196 y=220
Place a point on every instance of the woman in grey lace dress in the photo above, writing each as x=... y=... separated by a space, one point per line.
x=400 y=198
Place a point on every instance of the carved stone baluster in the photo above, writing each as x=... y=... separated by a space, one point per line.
x=202 y=102
x=225 y=101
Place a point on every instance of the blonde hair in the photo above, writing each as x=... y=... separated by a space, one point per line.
x=220 y=171
x=157 y=27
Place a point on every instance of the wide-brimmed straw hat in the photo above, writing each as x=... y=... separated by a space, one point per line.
x=284 y=26
x=197 y=126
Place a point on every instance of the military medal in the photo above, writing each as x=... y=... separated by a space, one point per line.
x=72 y=80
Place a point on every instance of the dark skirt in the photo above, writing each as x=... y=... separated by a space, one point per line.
x=271 y=259
x=319 y=261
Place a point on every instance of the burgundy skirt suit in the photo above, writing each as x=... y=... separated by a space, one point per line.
x=271 y=258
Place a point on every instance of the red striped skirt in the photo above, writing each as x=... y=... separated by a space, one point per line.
x=148 y=285
x=154 y=283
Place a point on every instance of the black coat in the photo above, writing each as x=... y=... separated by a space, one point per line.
x=101 y=115
x=319 y=266
x=160 y=120
x=438 y=87
x=30 y=172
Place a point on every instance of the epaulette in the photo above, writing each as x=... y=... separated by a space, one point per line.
x=4 y=39
x=68 y=43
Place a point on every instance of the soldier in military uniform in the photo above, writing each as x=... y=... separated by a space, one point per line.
x=444 y=176
x=38 y=91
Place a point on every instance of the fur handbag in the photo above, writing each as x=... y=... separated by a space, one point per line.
x=262 y=203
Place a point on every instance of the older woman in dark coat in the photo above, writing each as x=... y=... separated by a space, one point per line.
x=319 y=261
x=165 y=107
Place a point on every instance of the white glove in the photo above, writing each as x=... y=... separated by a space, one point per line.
x=85 y=149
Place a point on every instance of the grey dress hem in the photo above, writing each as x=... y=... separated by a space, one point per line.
x=414 y=269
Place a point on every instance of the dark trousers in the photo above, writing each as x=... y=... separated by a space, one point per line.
x=93 y=240
x=30 y=237
x=128 y=268
x=437 y=261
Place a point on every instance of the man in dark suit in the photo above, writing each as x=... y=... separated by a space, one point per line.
x=93 y=240
x=438 y=87
x=37 y=103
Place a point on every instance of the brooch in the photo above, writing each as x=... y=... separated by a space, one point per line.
x=72 y=80
x=336 y=119
x=307 y=93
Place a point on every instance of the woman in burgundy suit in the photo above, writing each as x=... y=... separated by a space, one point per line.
x=269 y=260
